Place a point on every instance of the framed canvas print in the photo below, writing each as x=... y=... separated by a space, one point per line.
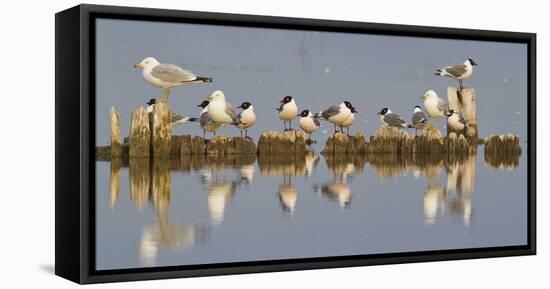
x=194 y=144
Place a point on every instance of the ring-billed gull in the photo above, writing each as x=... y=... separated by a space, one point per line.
x=308 y=123
x=167 y=76
x=419 y=119
x=391 y=119
x=221 y=111
x=435 y=106
x=459 y=71
x=247 y=117
x=287 y=110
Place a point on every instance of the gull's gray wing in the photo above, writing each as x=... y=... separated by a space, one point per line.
x=419 y=118
x=330 y=112
x=231 y=112
x=172 y=73
x=176 y=117
x=393 y=119
x=204 y=119
x=316 y=122
x=456 y=70
x=442 y=104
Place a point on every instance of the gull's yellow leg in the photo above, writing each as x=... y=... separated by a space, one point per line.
x=163 y=94
x=167 y=94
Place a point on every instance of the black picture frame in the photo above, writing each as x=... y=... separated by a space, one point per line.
x=75 y=143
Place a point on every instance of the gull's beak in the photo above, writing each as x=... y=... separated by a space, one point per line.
x=138 y=65
x=423 y=97
x=200 y=105
x=354 y=110
x=281 y=101
x=240 y=106
x=210 y=97
x=299 y=114
x=378 y=113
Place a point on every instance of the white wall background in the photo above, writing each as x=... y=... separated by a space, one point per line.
x=27 y=143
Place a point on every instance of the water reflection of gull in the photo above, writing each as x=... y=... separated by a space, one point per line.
x=456 y=198
x=433 y=201
x=247 y=173
x=337 y=191
x=311 y=162
x=219 y=195
x=155 y=237
x=287 y=197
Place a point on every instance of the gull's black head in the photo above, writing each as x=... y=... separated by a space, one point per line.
x=450 y=112
x=472 y=62
x=204 y=104
x=245 y=105
x=151 y=101
x=304 y=113
x=383 y=111
x=350 y=106
x=418 y=106
x=287 y=99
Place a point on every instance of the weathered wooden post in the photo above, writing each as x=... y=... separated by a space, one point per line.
x=161 y=129
x=140 y=134
x=464 y=102
x=116 y=150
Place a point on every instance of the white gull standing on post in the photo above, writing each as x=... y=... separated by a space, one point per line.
x=458 y=71
x=435 y=106
x=167 y=76
x=221 y=111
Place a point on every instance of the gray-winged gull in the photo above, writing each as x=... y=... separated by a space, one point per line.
x=221 y=111
x=247 y=117
x=391 y=119
x=167 y=76
x=337 y=114
x=419 y=119
x=287 y=110
x=207 y=124
x=435 y=106
x=455 y=121
x=459 y=71
x=308 y=123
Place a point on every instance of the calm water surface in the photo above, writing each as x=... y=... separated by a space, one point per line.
x=209 y=210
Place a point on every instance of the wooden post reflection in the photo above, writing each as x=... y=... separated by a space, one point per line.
x=114 y=181
x=140 y=181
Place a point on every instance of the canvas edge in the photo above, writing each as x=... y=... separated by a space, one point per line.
x=82 y=259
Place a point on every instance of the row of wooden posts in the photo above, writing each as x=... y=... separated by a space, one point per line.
x=150 y=136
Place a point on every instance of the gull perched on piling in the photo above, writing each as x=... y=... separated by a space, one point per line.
x=419 y=119
x=308 y=123
x=338 y=114
x=221 y=111
x=391 y=119
x=167 y=76
x=458 y=71
x=455 y=121
x=206 y=123
x=247 y=117
x=174 y=118
x=435 y=106
x=348 y=121
x=287 y=110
